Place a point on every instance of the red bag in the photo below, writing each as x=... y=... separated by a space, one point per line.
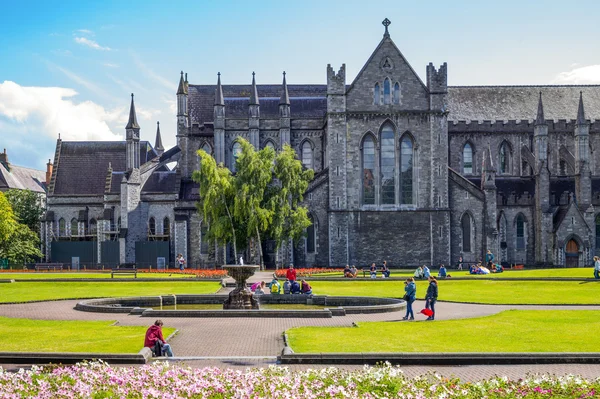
x=427 y=312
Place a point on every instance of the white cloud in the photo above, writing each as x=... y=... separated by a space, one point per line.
x=85 y=31
x=585 y=75
x=110 y=65
x=146 y=70
x=83 y=82
x=90 y=43
x=44 y=112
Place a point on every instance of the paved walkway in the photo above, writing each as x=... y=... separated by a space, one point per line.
x=250 y=342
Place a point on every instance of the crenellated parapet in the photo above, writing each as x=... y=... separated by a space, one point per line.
x=516 y=126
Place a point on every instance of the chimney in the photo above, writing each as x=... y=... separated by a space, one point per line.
x=4 y=158
x=48 y=173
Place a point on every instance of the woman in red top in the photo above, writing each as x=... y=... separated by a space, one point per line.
x=154 y=334
x=291 y=273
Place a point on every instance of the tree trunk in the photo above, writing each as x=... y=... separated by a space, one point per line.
x=262 y=267
x=233 y=230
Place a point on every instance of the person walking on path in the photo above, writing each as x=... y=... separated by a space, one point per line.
x=596 y=267
x=431 y=296
x=291 y=273
x=410 y=289
x=489 y=259
x=154 y=338
x=180 y=262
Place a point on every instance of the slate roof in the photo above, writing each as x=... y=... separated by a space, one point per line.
x=82 y=165
x=161 y=183
x=465 y=103
x=19 y=177
x=307 y=101
x=478 y=103
x=189 y=191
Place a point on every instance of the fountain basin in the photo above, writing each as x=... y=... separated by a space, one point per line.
x=149 y=306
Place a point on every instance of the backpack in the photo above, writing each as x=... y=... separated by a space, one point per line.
x=157 y=350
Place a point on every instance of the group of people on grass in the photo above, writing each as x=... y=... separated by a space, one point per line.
x=410 y=295
x=290 y=285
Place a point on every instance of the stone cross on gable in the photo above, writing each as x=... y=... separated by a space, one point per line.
x=386 y=22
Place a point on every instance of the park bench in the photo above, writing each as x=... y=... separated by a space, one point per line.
x=48 y=266
x=125 y=268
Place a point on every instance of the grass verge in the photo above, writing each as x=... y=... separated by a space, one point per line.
x=86 y=275
x=37 y=291
x=508 y=331
x=25 y=335
x=482 y=291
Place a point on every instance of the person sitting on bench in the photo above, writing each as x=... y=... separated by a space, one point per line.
x=305 y=287
x=385 y=271
x=295 y=287
x=287 y=286
x=156 y=342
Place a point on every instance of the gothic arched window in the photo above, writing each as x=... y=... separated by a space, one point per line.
x=465 y=224
x=74 y=227
x=62 y=227
x=467 y=159
x=270 y=144
x=397 y=93
x=504 y=164
x=376 y=95
x=520 y=232
x=307 y=155
x=388 y=164
x=310 y=236
x=368 y=170
x=236 y=150
x=166 y=226
x=207 y=149
x=93 y=226
x=152 y=227
x=387 y=90
x=406 y=170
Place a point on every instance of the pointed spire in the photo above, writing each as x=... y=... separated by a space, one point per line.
x=580 y=111
x=285 y=97
x=132 y=124
x=219 y=92
x=182 y=89
x=254 y=93
x=539 y=120
x=158 y=146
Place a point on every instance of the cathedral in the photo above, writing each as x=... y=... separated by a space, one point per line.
x=408 y=171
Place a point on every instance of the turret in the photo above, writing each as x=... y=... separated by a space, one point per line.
x=284 y=114
x=132 y=134
x=219 y=122
x=254 y=115
x=182 y=97
x=583 y=189
x=158 y=146
x=437 y=84
x=540 y=136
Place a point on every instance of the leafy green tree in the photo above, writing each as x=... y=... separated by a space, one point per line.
x=217 y=196
x=17 y=241
x=263 y=199
x=27 y=206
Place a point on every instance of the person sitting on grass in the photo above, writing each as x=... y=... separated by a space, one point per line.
x=354 y=271
x=156 y=342
x=385 y=271
x=419 y=272
x=347 y=272
x=442 y=273
x=275 y=286
x=287 y=286
x=426 y=272
x=499 y=268
x=294 y=287
x=305 y=287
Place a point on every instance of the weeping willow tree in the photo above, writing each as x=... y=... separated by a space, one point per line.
x=263 y=199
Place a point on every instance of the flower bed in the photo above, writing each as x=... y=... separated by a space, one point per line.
x=162 y=380
x=308 y=272
x=200 y=273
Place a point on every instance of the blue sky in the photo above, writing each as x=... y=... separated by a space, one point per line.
x=70 y=66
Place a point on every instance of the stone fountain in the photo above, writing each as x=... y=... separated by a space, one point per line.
x=241 y=297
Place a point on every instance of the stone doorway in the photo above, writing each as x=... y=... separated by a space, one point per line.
x=572 y=254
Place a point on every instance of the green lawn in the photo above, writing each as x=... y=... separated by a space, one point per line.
x=38 y=291
x=583 y=272
x=25 y=335
x=483 y=291
x=86 y=275
x=508 y=331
